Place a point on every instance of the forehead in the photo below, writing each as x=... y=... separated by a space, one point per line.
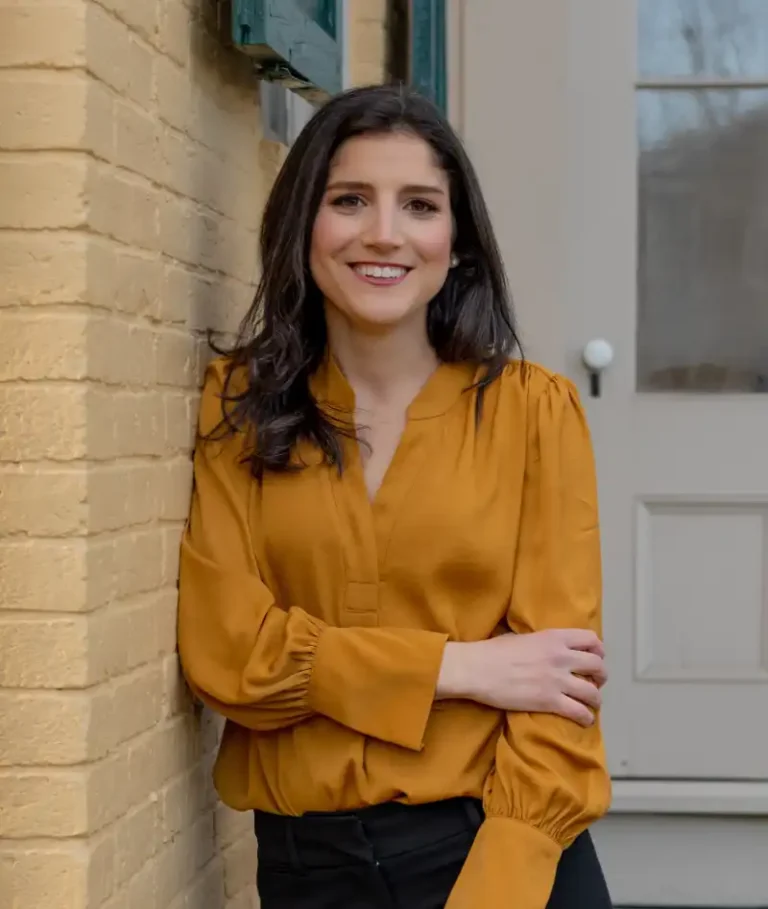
x=388 y=157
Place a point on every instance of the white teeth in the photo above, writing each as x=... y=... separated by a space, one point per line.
x=380 y=271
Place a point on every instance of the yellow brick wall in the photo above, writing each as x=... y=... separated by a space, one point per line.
x=132 y=176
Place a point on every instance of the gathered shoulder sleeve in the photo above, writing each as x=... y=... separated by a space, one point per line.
x=549 y=781
x=268 y=666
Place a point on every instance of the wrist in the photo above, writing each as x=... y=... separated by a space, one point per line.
x=457 y=678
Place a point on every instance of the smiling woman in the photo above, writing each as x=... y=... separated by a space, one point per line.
x=390 y=577
x=393 y=234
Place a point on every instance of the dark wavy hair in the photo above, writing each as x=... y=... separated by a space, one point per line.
x=283 y=337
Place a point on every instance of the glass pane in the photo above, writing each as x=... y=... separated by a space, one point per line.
x=703 y=240
x=321 y=11
x=716 y=39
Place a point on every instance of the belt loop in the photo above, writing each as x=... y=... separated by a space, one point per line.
x=474 y=814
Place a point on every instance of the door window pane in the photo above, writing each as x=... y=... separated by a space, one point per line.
x=714 y=39
x=703 y=240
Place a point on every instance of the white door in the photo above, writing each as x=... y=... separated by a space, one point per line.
x=623 y=147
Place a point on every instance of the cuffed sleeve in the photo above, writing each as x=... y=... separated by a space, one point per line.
x=549 y=781
x=388 y=678
x=266 y=667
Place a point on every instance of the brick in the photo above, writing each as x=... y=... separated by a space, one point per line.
x=123 y=495
x=55 y=109
x=139 y=281
x=236 y=251
x=123 y=279
x=141 y=892
x=183 y=801
x=32 y=348
x=45 y=575
x=126 y=565
x=101 y=871
x=126 y=423
x=206 y=890
x=123 y=207
x=177 y=489
x=176 y=96
x=44 y=501
x=136 y=140
x=43 y=652
x=183 y=857
x=171 y=546
x=175 y=32
x=42 y=34
x=44 y=421
x=125 y=708
x=175 y=357
x=45 y=877
x=43 y=190
x=239 y=866
x=43 y=728
x=49 y=803
x=181 y=163
x=232 y=826
x=128 y=635
x=188 y=232
x=224 y=307
x=121 y=352
x=42 y=109
x=246 y=899
x=116 y=57
x=179 y=428
x=137 y=839
x=41 y=268
x=141 y=15
x=184 y=293
x=177 y=698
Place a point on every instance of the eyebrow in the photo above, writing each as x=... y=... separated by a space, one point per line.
x=423 y=189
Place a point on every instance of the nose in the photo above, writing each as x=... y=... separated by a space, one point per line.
x=383 y=229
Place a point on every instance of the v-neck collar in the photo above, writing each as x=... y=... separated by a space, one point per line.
x=439 y=393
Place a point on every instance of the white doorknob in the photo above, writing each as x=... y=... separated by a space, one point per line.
x=597 y=355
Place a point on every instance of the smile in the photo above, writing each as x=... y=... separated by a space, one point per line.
x=383 y=275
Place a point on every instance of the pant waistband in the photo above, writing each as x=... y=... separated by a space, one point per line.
x=327 y=840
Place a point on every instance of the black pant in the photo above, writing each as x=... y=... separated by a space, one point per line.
x=394 y=857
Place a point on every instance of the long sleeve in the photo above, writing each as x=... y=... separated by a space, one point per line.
x=266 y=666
x=549 y=781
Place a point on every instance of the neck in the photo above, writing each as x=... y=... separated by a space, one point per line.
x=382 y=367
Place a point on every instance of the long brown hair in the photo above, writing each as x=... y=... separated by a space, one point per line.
x=282 y=338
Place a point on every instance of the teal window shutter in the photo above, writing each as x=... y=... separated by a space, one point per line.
x=295 y=42
x=428 y=40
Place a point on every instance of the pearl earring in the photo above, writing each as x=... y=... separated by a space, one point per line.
x=454 y=260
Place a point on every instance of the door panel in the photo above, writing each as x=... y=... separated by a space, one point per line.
x=632 y=209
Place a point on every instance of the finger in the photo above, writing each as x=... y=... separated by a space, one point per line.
x=574 y=710
x=584 y=639
x=583 y=691
x=589 y=664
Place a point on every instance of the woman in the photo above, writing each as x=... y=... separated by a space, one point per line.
x=391 y=517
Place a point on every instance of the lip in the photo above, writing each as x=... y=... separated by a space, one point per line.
x=380 y=282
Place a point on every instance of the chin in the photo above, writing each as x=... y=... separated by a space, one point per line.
x=385 y=317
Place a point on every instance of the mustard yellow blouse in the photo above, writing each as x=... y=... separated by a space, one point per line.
x=315 y=621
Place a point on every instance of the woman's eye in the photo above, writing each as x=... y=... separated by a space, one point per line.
x=348 y=201
x=421 y=206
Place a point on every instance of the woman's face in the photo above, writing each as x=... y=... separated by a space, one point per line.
x=381 y=241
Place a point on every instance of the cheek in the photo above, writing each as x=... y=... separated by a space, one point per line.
x=331 y=233
x=434 y=245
